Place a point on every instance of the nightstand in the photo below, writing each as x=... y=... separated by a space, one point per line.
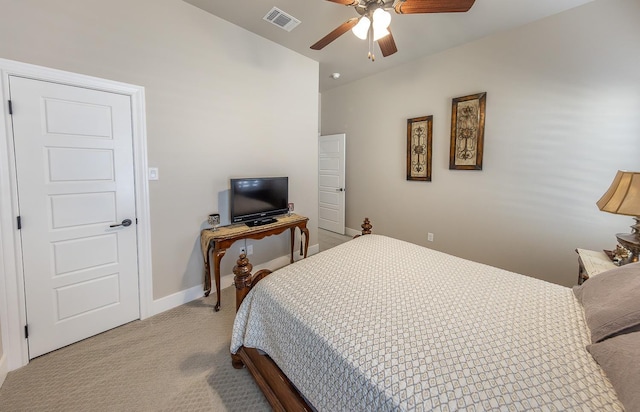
x=592 y=263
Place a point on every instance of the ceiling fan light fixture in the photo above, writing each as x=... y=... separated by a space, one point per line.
x=362 y=28
x=374 y=20
x=381 y=19
x=379 y=33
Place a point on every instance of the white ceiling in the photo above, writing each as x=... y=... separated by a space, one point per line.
x=416 y=35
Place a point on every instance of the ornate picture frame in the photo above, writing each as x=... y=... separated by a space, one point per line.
x=419 y=143
x=467 y=132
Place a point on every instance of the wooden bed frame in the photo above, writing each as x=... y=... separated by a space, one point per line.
x=279 y=391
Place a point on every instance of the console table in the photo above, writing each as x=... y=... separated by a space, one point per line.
x=220 y=240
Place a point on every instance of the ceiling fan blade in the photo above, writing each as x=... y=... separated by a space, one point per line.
x=339 y=31
x=432 y=6
x=387 y=44
x=345 y=2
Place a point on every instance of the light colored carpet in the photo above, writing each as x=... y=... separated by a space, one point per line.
x=328 y=239
x=175 y=361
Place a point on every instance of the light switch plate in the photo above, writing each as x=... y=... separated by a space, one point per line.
x=153 y=173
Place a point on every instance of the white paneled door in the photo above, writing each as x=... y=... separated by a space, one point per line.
x=331 y=178
x=74 y=163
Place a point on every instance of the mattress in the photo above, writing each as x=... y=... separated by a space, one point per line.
x=381 y=324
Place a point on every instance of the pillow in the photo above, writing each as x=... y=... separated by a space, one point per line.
x=619 y=357
x=611 y=301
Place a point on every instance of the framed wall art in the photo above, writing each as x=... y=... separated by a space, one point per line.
x=467 y=132
x=419 y=139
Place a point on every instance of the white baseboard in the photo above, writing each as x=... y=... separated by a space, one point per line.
x=352 y=232
x=4 y=368
x=187 y=295
x=176 y=299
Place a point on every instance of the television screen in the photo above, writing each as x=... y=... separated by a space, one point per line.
x=254 y=200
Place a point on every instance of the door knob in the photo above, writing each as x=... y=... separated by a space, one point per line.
x=125 y=223
x=340 y=190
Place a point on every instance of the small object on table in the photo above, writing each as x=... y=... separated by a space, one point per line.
x=618 y=256
x=214 y=221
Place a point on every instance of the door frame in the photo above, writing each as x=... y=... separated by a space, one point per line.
x=12 y=300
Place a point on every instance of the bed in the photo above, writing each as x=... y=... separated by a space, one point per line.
x=381 y=324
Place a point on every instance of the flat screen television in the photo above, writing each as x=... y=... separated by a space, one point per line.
x=255 y=200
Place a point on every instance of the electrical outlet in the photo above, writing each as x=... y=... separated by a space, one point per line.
x=243 y=250
x=430 y=237
x=250 y=250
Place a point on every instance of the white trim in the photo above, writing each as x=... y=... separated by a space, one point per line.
x=145 y=273
x=4 y=369
x=185 y=296
x=12 y=300
x=4 y=263
x=176 y=299
x=313 y=249
x=352 y=232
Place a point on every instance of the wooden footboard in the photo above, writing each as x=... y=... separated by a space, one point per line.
x=281 y=394
x=274 y=384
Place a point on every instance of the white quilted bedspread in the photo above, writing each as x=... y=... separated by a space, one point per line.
x=378 y=324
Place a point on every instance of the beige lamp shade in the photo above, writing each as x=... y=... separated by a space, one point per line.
x=623 y=196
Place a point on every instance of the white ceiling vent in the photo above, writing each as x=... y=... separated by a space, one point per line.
x=281 y=19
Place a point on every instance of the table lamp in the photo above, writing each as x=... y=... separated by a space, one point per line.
x=623 y=198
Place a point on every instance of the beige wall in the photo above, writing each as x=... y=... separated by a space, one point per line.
x=221 y=102
x=563 y=97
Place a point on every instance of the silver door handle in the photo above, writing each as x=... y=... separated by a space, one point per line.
x=125 y=223
x=341 y=190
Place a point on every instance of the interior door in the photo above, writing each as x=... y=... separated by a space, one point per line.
x=74 y=166
x=331 y=178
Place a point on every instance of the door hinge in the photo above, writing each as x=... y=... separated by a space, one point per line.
x=19 y=221
x=10 y=107
x=26 y=331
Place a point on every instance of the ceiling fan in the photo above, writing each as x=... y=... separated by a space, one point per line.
x=373 y=23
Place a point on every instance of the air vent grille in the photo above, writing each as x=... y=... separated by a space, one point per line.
x=281 y=19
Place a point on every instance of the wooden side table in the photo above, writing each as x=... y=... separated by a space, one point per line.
x=220 y=240
x=592 y=263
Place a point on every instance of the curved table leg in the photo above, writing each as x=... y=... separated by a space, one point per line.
x=293 y=235
x=217 y=257
x=207 y=276
x=306 y=239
